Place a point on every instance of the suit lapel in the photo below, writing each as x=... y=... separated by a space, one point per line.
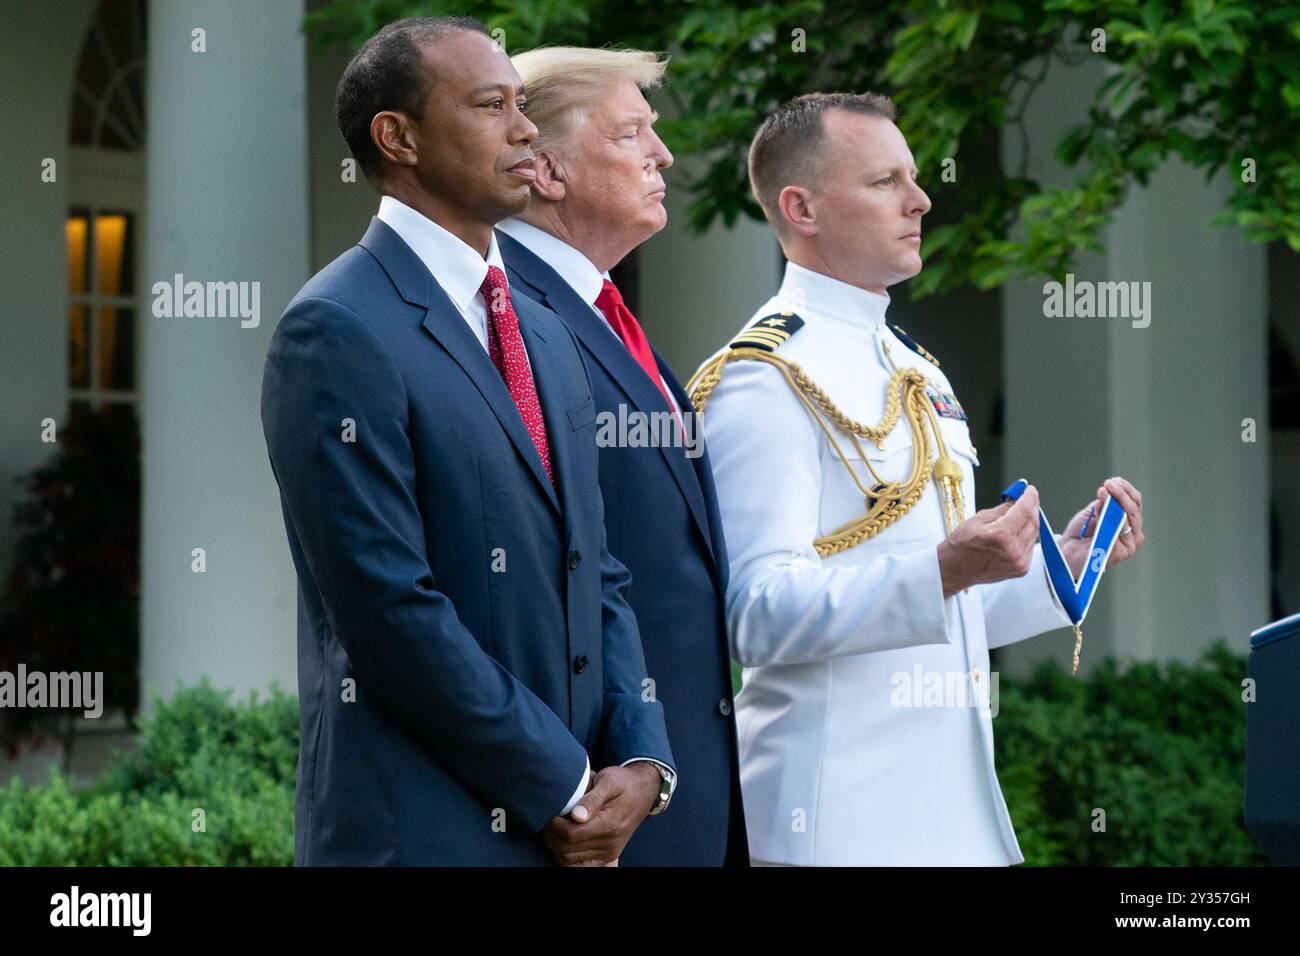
x=445 y=323
x=703 y=472
x=613 y=356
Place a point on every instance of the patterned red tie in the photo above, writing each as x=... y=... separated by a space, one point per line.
x=506 y=348
x=625 y=324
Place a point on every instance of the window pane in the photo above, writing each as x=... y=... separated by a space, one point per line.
x=116 y=331
x=119 y=411
x=78 y=264
x=114 y=237
x=78 y=347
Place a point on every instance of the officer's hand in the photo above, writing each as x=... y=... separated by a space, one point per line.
x=606 y=816
x=1076 y=550
x=991 y=545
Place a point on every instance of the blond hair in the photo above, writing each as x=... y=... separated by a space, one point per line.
x=561 y=83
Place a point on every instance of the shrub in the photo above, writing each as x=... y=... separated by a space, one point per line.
x=235 y=762
x=1159 y=748
x=72 y=602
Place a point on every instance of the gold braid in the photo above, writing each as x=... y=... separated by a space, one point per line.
x=888 y=501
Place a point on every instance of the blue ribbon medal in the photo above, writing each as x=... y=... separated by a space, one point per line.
x=1076 y=596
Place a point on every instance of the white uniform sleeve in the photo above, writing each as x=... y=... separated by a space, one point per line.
x=784 y=605
x=1022 y=607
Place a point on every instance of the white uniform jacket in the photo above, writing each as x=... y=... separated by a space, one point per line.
x=864 y=721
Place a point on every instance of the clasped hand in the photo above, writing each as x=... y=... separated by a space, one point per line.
x=597 y=829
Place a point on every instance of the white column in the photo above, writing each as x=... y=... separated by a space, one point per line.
x=227 y=202
x=1161 y=405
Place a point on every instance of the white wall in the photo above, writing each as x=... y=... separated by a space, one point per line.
x=39 y=44
x=39 y=47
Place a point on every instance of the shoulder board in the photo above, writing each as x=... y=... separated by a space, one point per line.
x=769 y=333
x=912 y=344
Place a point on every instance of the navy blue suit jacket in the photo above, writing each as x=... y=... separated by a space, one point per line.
x=661 y=517
x=474 y=605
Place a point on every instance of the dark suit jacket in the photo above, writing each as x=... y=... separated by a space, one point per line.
x=478 y=611
x=661 y=516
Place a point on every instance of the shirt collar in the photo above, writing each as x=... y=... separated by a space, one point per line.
x=803 y=288
x=459 y=269
x=573 y=267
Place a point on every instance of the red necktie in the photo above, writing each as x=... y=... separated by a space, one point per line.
x=625 y=324
x=506 y=348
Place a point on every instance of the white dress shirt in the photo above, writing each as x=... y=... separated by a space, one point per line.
x=456 y=267
x=574 y=268
x=837 y=767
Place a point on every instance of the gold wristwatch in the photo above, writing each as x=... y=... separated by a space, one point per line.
x=667 y=784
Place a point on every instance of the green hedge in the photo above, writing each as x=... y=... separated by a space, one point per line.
x=1159 y=747
x=236 y=762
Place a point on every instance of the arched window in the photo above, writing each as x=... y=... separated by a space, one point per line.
x=106 y=139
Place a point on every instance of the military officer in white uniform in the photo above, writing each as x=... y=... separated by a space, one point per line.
x=865 y=595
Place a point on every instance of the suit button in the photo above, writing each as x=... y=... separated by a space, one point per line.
x=724 y=707
x=575 y=559
x=580 y=663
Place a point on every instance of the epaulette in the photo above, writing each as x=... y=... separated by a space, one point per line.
x=768 y=333
x=912 y=344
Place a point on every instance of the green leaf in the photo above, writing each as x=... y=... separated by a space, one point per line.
x=964 y=33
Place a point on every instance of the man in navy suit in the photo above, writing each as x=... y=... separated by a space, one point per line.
x=466 y=655
x=598 y=194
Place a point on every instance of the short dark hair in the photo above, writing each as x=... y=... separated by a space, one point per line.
x=387 y=74
x=787 y=148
